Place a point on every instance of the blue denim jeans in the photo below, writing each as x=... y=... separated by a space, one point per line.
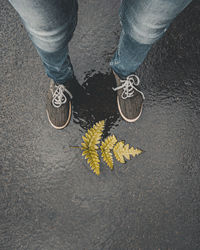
x=51 y=23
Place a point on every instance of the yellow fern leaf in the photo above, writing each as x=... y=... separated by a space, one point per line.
x=120 y=151
x=106 y=147
x=89 y=146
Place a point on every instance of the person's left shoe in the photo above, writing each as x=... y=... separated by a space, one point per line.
x=58 y=105
x=129 y=98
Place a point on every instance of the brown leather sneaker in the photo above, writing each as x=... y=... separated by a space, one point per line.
x=58 y=105
x=129 y=98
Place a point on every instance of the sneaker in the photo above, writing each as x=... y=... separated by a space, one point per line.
x=58 y=105
x=129 y=98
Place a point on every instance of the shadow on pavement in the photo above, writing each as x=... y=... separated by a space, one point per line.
x=95 y=101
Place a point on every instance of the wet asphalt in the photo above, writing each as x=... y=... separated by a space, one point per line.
x=49 y=198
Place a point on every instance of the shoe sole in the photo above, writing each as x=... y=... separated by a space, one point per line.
x=68 y=120
x=125 y=118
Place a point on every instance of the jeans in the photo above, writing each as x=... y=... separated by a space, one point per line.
x=51 y=23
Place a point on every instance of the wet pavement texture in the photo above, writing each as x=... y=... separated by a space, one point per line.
x=49 y=198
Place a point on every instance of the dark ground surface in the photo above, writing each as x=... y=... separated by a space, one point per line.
x=49 y=199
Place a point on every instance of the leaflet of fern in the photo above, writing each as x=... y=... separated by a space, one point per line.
x=106 y=147
x=89 y=146
x=93 y=136
x=93 y=160
x=135 y=152
x=120 y=151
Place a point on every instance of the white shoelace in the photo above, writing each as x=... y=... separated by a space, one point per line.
x=59 y=97
x=128 y=86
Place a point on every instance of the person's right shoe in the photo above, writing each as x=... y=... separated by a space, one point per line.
x=129 y=98
x=58 y=105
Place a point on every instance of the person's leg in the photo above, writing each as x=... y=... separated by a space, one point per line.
x=143 y=23
x=50 y=25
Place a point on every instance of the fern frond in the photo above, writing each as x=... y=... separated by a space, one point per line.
x=89 y=146
x=120 y=151
x=106 y=147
